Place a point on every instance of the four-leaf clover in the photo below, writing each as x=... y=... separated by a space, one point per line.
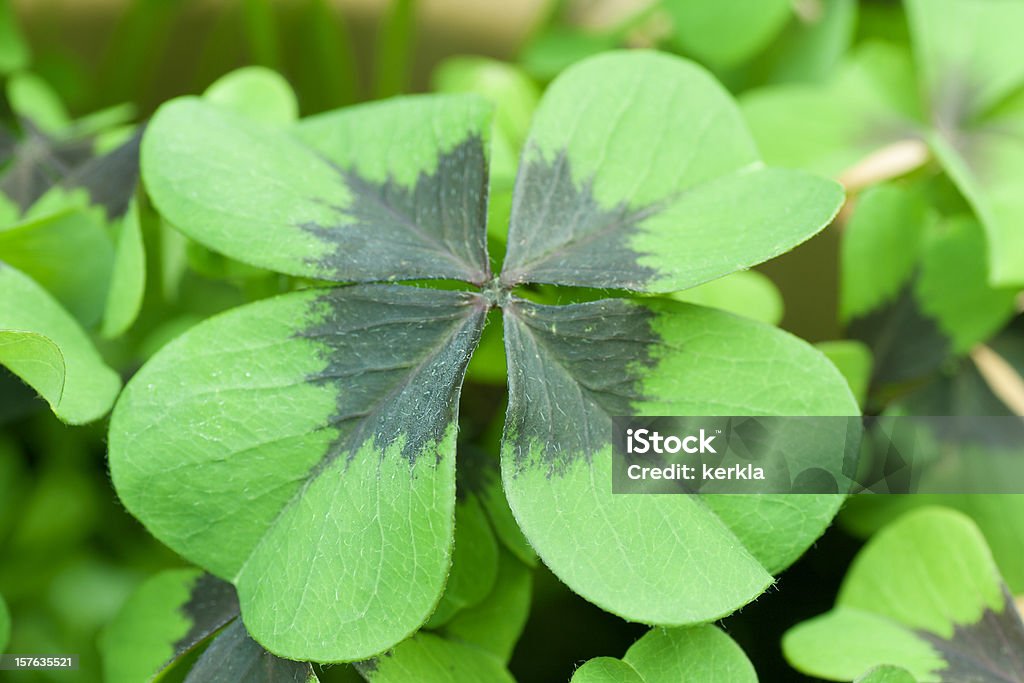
x=303 y=447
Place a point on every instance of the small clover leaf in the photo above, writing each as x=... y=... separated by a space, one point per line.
x=924 y=595
x=700 y=653
x=41 y=343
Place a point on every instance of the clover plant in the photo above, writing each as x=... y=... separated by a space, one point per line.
x=302 y=448
x=924 y=595
x=71 y=253
x=954 y=98
x=363 y=362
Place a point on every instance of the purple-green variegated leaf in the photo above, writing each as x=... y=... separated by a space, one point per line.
x=303 y=448
x=924 y=595
x=234 y=656
x=639 y=173
x=385 y=191
x=165 y=618
x=659 y=559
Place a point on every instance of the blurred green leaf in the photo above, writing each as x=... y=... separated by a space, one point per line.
x=869 y=103
x=128 y=276
x=881 y=248
x=89 y=386
x=69 y=253
x=1000 y=518
x=110 y=126
x=853 y=359
x=725 y=33
x=496 y=623
x=325 y=69
x=86 y=592
x=967 y=307
x=5 y=625
x=557 y=48
x=260 y=24
x=14 y=53
x=924 y=594
x=257 y=93
x=427 y=658
x=668 y=655
x=394 y=49
x=960 y=100
x=474 y=562
x=514 y=97
x=960 y=391
x=167 y=616
x=745 y=292
x=811 y=47
x=887 y=674
x=896 y=291
x=59 y=513
x=32 y=98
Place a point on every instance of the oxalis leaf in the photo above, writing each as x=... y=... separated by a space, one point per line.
x=380 y=191
x=177 y=611
x=234 y=656
x=962 y=390
x=904 y=304
x=166 y=617
x=256 y=92
x=474 y=562
x=870 y=124
x=41 y=343
x=127 y=277
x=431 y=659
x=701 y=653
x=496 y=623
x=46 y=168
x=727 y=32
x=304 y=435
x=43 y=247
x=636 y=184
x=647 y=558
x=302 y=448
x=925 y=595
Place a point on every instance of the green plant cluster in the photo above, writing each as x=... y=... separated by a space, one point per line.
x=310 y=376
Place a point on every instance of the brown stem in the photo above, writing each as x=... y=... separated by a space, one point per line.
x=889 y=162
x=809 y=11
x=1001 y=377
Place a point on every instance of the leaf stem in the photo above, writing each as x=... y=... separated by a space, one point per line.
x=1001 y=377
x=891 y=161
